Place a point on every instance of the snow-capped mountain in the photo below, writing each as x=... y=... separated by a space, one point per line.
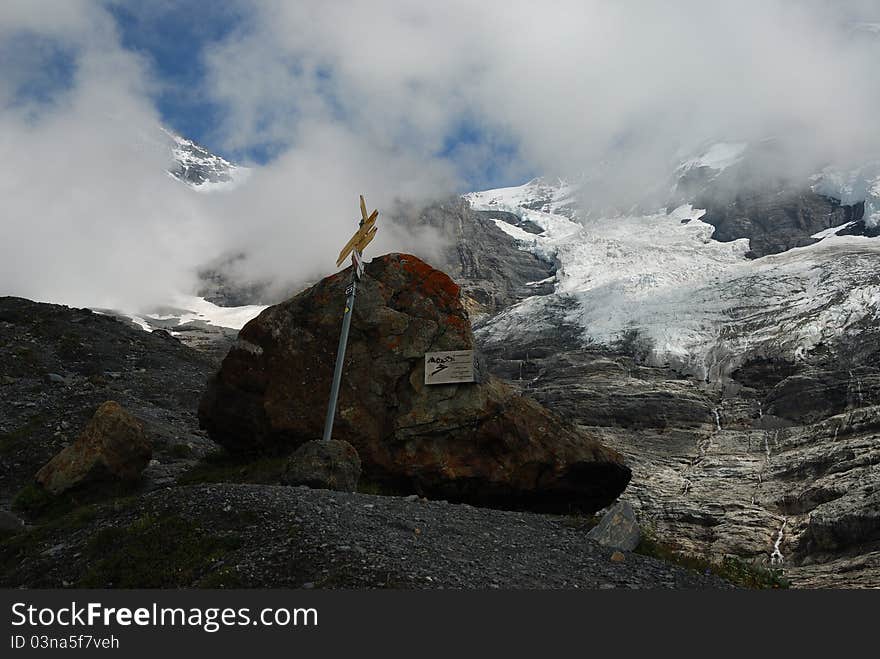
x=727 y=345
x=200 y=169
x=700 y=303
x=194 y=314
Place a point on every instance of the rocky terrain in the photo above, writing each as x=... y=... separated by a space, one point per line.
x=197 y=167
x=269 y=536
x=738 y=380
x=240 y=528
x=797 y=492
x=492 y=271
x=57 y=365
x=772 y=452
x=758 y=197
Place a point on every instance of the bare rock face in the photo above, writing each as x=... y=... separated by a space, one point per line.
x=111 y=447
x=327 y=465
x=479 y=442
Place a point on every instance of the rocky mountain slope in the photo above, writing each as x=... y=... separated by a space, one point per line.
x=198 y=168
x=58 y=364
x=726 y=345
x=742 y=390
x=199 y=519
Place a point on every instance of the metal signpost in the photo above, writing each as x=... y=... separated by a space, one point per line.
x=361 y=238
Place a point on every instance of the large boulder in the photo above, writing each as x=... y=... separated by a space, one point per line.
x=478 y=442
x=111 y=447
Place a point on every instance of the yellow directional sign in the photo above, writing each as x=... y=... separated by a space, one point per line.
x=366 y=239
x=363 y=236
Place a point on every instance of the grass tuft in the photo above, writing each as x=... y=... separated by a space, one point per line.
x=732 y=568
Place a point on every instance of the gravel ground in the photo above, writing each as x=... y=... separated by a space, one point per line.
x=295 y=537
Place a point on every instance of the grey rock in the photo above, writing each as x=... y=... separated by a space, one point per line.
x=491 y=269
x=618 y=528
x=765 y=200
x=329 y=465
x=54 y=378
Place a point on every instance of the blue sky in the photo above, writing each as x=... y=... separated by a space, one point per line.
x=173 y=37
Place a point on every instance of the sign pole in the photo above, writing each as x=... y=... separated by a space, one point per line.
x=362 y=237
x=340 y=356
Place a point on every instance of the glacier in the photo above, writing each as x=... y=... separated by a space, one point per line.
x=704 y=307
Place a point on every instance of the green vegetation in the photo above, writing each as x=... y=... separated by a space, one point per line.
x=580 y=521
x=152 y=551
x=38 y=505
x=28 y=544
x=157 y=552
x=731 y=568
x=180 y=451
x=224 y=467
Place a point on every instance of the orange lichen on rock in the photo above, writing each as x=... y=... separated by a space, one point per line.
x=430 y=281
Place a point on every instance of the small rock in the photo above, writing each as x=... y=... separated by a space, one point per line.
x=9 y=522
x=54 y=378
x=330 y=465
x=54 y=549
x=618 y=529
x=618 y=557
x=308 y=585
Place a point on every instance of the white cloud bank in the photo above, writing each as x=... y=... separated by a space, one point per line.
x=368 y=96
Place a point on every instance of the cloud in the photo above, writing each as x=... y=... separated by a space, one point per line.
x=395 y=99
x=571 y=83
x=88 y=214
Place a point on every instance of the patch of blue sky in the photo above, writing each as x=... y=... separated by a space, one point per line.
x=484 y=157
x=172 y=36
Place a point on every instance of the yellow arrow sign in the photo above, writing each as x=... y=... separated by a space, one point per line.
x=366 y=239
x=363 y=236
